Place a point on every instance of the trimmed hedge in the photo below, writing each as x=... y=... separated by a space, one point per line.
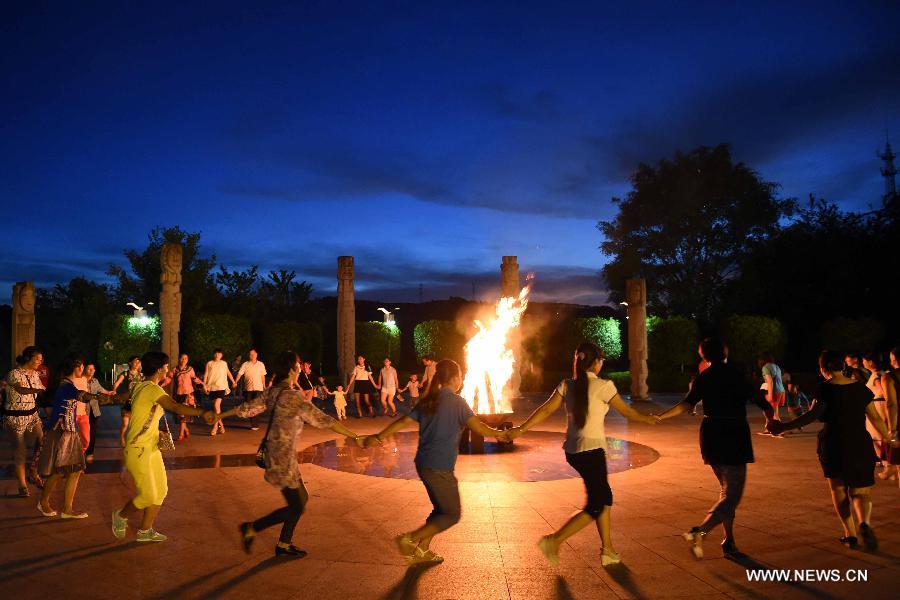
x=303 y=338
x=672 y=343
x=376 y=341
x=207 y=332
x=749 y=335
x=605 y=333
x=440 y=339
x=852 y=335
x=122 y=336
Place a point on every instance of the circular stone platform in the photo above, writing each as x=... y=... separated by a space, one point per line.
x=538 y=456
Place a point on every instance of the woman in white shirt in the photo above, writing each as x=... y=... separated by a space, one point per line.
x=216 y=377
x=363 y=385
x=587 y=398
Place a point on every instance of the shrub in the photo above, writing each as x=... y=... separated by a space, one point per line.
x=303 y=338
x=852 y=335
x=440 y=339
x=377 y=340
x=749 y=335
x=672 y=343
x=207 y=332
x=605 y=333
x=123 y=336
x=622 y=380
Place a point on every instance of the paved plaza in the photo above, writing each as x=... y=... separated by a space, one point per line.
x=785 y=522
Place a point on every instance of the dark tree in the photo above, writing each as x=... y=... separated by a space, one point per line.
x=70 y=318
x=685 y=226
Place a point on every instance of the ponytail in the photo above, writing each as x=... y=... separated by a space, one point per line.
x=585 y=356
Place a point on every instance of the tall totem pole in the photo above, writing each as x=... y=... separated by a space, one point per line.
x=22 y=317
x=636 y=294
x=346 y=317
x=510 y=286
x=170 y=298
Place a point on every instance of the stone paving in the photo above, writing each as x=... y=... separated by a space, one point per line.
x=785 y=522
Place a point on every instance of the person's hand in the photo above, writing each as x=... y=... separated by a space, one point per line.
x=774 y=427
x=513 y=433
x=370 y=441
x=210 y=417
x=652 y=419
x=360 y=440
x=503 y=436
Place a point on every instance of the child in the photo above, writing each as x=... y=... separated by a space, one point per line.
x=322 y=392
x=795 y=401
x=413 y=386
x=442 y=414
x=340 y=402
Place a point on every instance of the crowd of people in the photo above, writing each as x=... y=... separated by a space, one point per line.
x=855 y=400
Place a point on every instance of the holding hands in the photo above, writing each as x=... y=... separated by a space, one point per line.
x=210 y=417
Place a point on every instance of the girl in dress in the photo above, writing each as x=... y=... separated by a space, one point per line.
x=184 y=379
x=363 y=385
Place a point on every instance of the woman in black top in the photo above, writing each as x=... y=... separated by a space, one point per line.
x=845 y=447
x=724 y=437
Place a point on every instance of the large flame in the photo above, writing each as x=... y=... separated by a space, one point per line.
x=490 y=360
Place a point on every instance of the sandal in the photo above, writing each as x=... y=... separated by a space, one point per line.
x=247 y=535
x=849 y=541
x=24 y=492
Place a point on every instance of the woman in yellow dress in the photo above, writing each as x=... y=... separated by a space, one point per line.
x=142 y=456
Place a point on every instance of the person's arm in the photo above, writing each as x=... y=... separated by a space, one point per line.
x=230 y=376
x=770 y=387
x=627 y=411
x=118 y=381
x=889 y=386
x=539 y=415
x=377 y=385
x=206 y=376
x=814 y=413
x=249 y=408
x=188 y=411
x=478 y=426
x=394 y=427
x=337 y=427
x=240 y=374
x=682 y=407
x=403 y=389
x=876 y=421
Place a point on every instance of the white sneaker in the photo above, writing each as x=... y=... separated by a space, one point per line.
x=51 y=513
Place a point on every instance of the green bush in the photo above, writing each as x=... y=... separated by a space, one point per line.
x=123 y=336
x=605 y=333
x=303 y=338
x=672 y=343
x=852 y=335
x=749 y=335
x=207 y=332
x=622 y=380
x=440 y=339
x=377 y=340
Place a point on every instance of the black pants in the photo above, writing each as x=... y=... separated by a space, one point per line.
x=591 y=465
x=287 y=515
x=93 y=438
x=731 y=487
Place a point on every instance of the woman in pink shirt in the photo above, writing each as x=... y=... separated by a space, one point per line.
x=184 y=377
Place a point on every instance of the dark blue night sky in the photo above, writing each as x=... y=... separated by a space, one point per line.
x=425 y=138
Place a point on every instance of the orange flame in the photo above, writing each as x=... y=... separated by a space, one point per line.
x=490 y=360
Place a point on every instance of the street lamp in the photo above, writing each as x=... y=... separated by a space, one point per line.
x=389 y=316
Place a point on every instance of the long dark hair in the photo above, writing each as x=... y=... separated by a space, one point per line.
x=27 y=354
x=585 y=356
x=444 y=372
x=283 y=364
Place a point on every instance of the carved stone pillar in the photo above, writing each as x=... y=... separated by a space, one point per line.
x=636 y=294
x=170 y=299
x=510 y=285
x=23 y=298
x=346 y=317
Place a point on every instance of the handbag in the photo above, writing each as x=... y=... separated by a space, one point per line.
x=165 y=443
x=262 y=452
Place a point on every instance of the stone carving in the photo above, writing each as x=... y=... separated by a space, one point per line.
x=22 y=317
x=636 y=295
x=170 y=298
x=346 y=317
x=510 y=285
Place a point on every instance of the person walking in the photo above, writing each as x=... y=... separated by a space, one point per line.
x=845 y=447
x=254 y=374
x=388 y=382
x=772 y=383
x=62 y=453
x=123 y=386
x=363 y=385
x=290 y=411
x=21 y=418
x=725 y=443
x=184 y=377
x=587 y=399
x=216 y=377
x=873 y=383
x=442 y=414
x=93 y=387
x=890 y=384
x=143 y=458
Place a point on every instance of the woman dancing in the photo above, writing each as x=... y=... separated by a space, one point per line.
x=724 y=438
x=442 y=414
x=143 y=458
x=587 y=399
x=845 y=447
x=184 y=377
x=363 y=385
x=290 y=411
x=21 y=418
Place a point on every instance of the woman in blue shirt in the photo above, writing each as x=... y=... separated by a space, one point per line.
x=442 y=415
